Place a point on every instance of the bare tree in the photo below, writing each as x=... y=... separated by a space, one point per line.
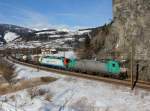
x=7 y=71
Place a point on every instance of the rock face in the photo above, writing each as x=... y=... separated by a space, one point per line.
x=130 y=27
x=132 y=23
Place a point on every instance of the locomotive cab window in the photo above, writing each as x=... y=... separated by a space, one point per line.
x=68 y=60
x=114 y=65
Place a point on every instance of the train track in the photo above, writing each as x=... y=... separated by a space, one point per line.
x=142 y=82
x=139 y=84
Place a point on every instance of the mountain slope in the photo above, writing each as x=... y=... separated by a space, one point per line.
x=20 y=31
x=10 y=36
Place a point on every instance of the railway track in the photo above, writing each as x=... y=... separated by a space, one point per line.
x=139 y=84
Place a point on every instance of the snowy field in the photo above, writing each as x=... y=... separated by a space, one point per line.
x=73 y=94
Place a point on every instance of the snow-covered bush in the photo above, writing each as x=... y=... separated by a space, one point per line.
x=33 y=92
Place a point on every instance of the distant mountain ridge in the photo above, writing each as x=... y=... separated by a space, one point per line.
x=21 y=31
x=27 y=34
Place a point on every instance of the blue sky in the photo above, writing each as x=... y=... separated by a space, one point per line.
x=56 y=13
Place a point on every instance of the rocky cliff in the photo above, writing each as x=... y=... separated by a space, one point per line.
x=130 y=27
x=132 y=23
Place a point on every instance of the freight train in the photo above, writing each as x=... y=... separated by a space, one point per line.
x=106 y=68
x=109 y=68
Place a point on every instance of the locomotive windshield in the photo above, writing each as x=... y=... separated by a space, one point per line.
x=113 y=65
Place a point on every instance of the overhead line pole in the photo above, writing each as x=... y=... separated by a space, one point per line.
x=132 y=65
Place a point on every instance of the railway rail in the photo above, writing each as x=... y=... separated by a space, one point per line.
x=139 y=84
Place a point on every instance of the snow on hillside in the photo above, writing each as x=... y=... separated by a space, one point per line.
x=55 y=36
x=69 y=33
x=56 y=39
x=29 y=73
x=64 y=29
x=83 y=32
x=46 y=32
x=10 y=36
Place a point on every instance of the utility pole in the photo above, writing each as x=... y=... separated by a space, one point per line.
x=37 y=58
x=132 y=44
x=64 y=54
x=131 y=65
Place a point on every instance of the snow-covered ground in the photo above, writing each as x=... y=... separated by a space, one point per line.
x=74 y=94
x=29 y=73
